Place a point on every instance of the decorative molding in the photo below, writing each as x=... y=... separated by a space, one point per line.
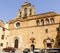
x=34 y=26
x=34 y=17
x=13 y=39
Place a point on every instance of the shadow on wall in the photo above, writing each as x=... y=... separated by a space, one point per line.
x=57 y=42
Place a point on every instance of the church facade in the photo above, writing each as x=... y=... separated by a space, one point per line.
x=31 y=30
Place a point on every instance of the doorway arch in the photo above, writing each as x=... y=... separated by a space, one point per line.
x=16 y=43
x=32 y=47
x=13 y=39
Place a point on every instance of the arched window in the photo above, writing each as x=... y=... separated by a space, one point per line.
x=30 y=11
x=47 y=21
x=25 y=12
x=16 y=43
x=37 y=22
x=52 y=20
x=42 y=22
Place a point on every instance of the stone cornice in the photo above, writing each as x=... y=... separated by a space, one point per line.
x=34 y=26
x=33 y=17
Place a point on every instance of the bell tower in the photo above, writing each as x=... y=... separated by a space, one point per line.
x=26 y=10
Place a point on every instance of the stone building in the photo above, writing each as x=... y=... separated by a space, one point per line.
x=31 y=30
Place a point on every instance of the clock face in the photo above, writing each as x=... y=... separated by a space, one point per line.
x=17 y=24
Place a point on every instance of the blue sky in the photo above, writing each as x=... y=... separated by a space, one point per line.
x=9 y=8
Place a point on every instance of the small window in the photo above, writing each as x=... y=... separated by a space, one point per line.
x=3 y=29
x=1 y=44
x=46 y=30
x=17 y=24
x=32 y=41
x=2 y=37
